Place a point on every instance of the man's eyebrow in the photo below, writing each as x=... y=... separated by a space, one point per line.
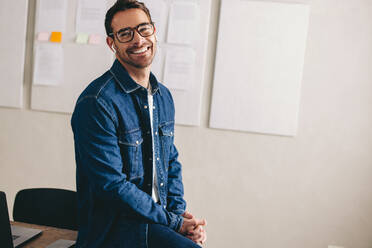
x=124 y=29
x=143 y=23
x=128 y=28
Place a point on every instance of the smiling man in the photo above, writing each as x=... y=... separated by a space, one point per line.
x=129 y=182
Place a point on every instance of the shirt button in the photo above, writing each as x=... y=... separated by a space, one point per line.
x=150 y=159
x=156 y=133
x=171 y=133
x=153 y=107
x=164 y=206
x=145 y=106
x=148 y=132
x=157 y=159
x=149 y=184
x=162 y=184
x=137 y=142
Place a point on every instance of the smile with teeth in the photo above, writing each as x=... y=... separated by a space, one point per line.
x=139 y=51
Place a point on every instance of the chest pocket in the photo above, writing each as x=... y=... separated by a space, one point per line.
x=166 y=134
x=131 y=152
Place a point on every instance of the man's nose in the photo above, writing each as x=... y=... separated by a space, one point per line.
x=137 y=38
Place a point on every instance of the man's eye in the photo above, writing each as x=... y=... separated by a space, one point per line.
x=124 y=34
x=143 y=29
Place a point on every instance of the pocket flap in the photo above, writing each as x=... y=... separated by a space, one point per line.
x=131 y=139
x=166 y=129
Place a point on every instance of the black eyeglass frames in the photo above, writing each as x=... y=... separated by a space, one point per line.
x=126 y=34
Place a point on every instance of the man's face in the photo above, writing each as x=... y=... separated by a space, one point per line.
x=139 y=52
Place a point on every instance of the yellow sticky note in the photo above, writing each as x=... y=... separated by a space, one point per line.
x=82 y=38
x=56 y=37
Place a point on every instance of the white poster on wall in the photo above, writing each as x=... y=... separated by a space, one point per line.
x=157 y=65
x=48 y=65
x=90 y=16
x=183 y=25
x=259 y=64
x=51 y=15
x=12 y=50
x=158 y=10
x=180 y=68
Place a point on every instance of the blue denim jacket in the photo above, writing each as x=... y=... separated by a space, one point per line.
x=113 y=149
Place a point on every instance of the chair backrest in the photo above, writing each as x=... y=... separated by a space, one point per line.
x=6 y=240
x=45 y=206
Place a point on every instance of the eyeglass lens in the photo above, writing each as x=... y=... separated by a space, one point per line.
x=127 y=34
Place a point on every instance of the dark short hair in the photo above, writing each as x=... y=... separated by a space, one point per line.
x=122 y=5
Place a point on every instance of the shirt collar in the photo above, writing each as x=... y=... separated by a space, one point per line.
x=127 y=83
x=154 y=84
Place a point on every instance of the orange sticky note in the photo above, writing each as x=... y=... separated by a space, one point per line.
x=56 y=37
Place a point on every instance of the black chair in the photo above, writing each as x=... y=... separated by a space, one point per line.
x=45 y=206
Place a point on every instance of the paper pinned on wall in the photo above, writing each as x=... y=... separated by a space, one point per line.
x=91 y=16
x=157 y=64
x=158 y=10
x=51 y=15
x=183 y=23
x=179 y=68
x=48 y=63
x=271 y=53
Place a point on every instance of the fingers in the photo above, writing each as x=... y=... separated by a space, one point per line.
x=187 y=215
x=187 y=225
x=198 y=235
x=194 y=224
x=190 y=224
x=196 y=231
x=201 y=222
x=205 y=237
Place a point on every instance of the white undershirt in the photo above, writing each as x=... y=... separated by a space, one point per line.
x=155 y=193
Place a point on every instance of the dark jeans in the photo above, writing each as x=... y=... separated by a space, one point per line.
x=160 y=236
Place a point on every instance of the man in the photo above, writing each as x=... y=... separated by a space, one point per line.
x=129 y=183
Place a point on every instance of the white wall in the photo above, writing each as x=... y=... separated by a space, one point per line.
x=258 y=191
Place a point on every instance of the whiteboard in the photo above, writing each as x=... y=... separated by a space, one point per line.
x=13 y=21
x=259 y=63
x=82 y=64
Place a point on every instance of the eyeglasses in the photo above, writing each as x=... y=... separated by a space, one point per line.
x=126 y=34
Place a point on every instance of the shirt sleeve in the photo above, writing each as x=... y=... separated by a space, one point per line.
x=99 y=160
x=175 y=200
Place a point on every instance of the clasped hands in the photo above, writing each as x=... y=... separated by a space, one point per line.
x=193 y=229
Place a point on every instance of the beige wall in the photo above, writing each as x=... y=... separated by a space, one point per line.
x=256 y=191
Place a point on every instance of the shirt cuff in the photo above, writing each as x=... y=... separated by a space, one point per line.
x=175 y=222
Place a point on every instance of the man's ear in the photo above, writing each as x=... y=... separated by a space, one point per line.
x=110 y=43
x=156 y=37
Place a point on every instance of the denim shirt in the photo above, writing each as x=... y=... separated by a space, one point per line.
x=114 y=167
